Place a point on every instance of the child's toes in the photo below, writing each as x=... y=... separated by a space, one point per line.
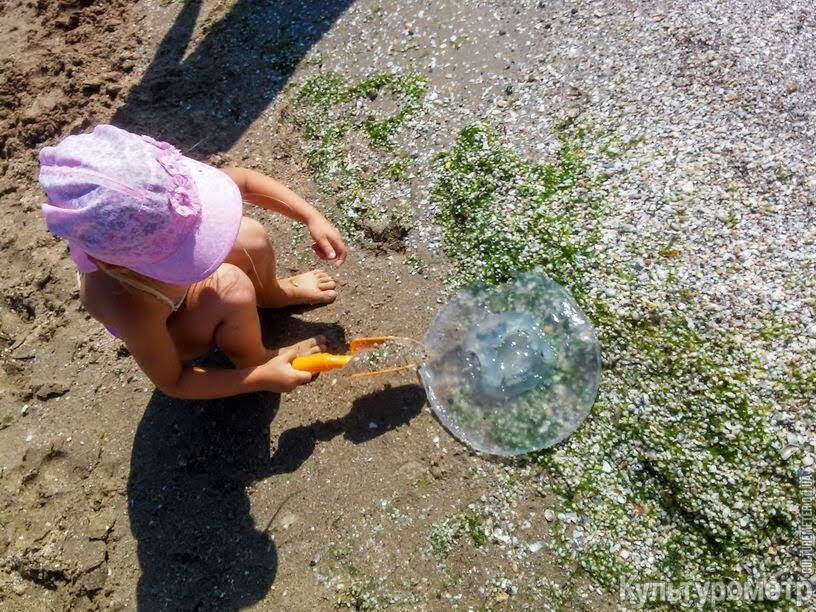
x=310 y=346
x=319 y=343
x=315 y=341
x=326 y=283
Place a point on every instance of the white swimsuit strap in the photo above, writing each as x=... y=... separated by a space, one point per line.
x=151 y=291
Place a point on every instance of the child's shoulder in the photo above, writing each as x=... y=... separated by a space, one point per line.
x=107 y=301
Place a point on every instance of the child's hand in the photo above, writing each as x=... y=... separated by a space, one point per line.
x=328 y=243
x=278 y=374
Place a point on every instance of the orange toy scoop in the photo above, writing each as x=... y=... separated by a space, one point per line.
x=360 y=344
x=320 y=362
x=323 y=362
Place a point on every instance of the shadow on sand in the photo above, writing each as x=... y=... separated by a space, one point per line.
x=198 y=545
x=204 y=100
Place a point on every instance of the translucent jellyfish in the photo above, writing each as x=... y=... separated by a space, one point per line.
x=512 y=368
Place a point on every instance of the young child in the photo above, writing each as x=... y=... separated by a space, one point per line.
x=169 y=264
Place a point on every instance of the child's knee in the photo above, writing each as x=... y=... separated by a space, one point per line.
x=233 y=287
x=252 y=236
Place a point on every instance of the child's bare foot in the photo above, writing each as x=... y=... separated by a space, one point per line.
x=310 y=346
x=315 y=287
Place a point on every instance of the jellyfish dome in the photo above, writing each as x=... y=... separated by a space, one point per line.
x=512 y=368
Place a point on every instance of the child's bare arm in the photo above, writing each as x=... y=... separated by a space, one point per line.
x=272 y=195
x=154 y=350
x=269 y=193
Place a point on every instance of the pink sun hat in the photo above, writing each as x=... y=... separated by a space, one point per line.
x=132 y=201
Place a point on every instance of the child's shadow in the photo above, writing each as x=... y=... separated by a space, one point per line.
x=199 y=547
x=206 y=98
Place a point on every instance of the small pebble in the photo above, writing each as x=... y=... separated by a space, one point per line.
x=535 y=546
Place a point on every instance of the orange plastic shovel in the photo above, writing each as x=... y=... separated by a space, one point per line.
x=323 y=362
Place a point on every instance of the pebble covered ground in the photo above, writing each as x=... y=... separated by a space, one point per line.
x=678 y=138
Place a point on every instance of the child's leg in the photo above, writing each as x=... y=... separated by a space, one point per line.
x=254 y=255
x=222 y=311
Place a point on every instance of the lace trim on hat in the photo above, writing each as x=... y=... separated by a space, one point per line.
x=182 y=196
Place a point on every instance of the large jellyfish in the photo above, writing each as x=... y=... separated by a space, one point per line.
x=512 y=368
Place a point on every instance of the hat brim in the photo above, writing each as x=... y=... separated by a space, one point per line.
x=206 y=248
